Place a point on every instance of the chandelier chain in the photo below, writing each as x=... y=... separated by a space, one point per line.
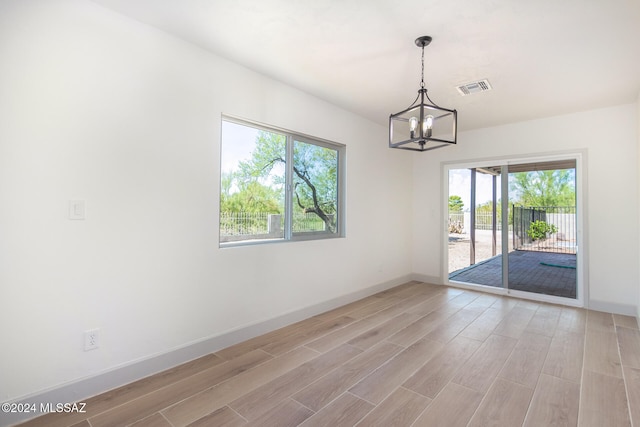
x=422 y=79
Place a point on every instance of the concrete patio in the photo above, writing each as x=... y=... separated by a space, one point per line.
x=538 y=272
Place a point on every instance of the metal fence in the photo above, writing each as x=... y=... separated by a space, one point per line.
x=484 y=220
x=244 y=223
x=305 y=222
x=236 y=226
x=562 y=219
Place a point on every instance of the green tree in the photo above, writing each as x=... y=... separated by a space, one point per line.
x=315 y=174
x=544 y=188
x=239 y=195
x=455 y=203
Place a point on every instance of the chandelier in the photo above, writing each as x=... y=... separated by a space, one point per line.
x=424 y=125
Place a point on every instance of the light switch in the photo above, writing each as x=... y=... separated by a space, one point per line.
x=76 y=209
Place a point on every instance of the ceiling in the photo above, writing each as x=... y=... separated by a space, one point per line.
x=542 y=58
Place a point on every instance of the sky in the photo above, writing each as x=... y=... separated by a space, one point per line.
x=237 y=144
x=460 y=185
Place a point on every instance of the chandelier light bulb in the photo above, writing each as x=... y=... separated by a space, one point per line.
x=413 y=125
x=427 y=126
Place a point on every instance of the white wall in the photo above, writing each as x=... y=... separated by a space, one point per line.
x=609 y=138
x=98 y=107
x=638 y=137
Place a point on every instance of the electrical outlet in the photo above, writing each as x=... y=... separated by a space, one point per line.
x=91 y=339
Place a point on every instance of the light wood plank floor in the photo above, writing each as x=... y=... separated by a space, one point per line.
x=415 y=355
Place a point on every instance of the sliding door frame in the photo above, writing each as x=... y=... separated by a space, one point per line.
x=581 y=221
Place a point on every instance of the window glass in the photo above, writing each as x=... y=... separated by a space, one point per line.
x=252 y=194
x=277 y=185
x=315 y=188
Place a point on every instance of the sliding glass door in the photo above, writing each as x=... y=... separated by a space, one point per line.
x=514 y=227
x=475 y=226
x=542 y=208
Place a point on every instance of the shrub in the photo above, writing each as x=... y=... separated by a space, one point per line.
x=455 y=226
x=540 y=230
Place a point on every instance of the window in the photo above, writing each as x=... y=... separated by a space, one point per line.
x=277 y=185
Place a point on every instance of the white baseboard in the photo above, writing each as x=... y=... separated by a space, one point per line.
x=76 y=391
x=612 y=307
x=427 y=279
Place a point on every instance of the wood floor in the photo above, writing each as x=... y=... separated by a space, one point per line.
x=415 y=355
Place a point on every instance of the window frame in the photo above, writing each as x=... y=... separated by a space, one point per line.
x=290 y=138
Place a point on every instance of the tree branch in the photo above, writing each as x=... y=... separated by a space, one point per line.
x=314 y=196
x=272 y=162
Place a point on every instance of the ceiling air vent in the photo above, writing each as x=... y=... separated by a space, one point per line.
x=474 y=87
